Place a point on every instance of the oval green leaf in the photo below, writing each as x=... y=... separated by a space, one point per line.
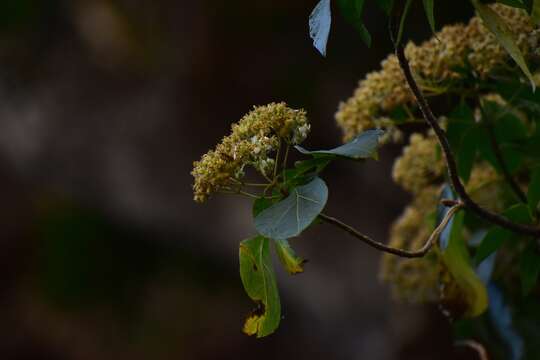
x=259 y=281
x=289 y=217
x=292 y=263
x=364 y=146
x=457 y=259
x=499 y=28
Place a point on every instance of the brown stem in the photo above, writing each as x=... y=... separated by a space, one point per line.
x=391 y=250
x=455 y=182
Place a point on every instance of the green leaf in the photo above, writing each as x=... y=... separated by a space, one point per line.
x=402 y=21
x=529 y=269
x=520 y=96
x=259 y=281
x=533 y=193
x=535 y=14
x=292 y=263
x=352 y=11
x=386 y=5
x=304 y=171
x=514 y=3
x=364 y=146
x=289 y=217
x=497 y=26
x=429 y=7
x=493 y=240
x=320 y=22
x=508 y=130
x=496 y=236
x=467 y=153
x=459 y=121
x=261 y=204
x=457 y=260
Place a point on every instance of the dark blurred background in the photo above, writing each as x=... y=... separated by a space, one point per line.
x=104 y=105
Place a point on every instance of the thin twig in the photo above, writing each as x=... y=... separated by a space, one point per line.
x=285 y=159
x=476 y=346
x=391 y=250
x=276 y=164
x=239 y=182
x=455 y=182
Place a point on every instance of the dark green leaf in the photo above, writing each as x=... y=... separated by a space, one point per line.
x=457 y=260
x=536 y=12
x=514 y=3
x=320 y=22
x=259 y=282
x=498 y=27
x=493 y=240
x=429 y=7
x=289 y=217
x=364 y=146
x=292 y=263
x=386 y=5
x=533 y=193
x=404 y=15
x=352 y=11
x=261 y=204
x=518 y=213
x=496 y=236
x=507 y=129
x=520 y=96
x=459 y=121
x=529 y=269
x=467 y=153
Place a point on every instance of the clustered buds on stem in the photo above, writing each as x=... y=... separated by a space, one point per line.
x=252 y=142
x=436 y=65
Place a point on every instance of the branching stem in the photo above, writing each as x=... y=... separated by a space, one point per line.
x=456 y=183
x=389 y=249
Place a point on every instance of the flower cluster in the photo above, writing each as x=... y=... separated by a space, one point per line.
x=251 y=143
x=435 y=64
x=419 y=165
x=420 y=170
x=413 y=280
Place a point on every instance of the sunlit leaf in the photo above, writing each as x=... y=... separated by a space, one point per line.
x=364 y=146
x=498 y=27
x=289 y=217
x=457 y=260
x=292 y=263
x=259 y=282
x=320 y=22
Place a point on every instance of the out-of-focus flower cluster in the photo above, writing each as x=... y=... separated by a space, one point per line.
x=419 y=165
x=420 y=170
x=436 y=65
x=252 y=142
